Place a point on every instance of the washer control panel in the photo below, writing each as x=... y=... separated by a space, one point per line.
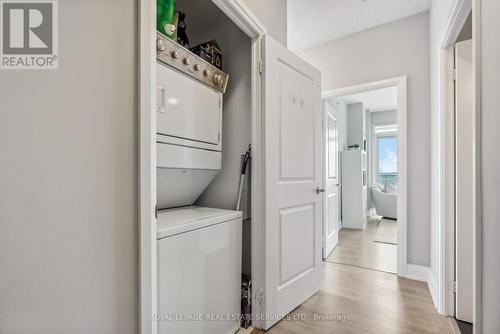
x=172 y=54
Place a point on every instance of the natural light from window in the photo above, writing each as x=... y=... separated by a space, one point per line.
x=388 y=160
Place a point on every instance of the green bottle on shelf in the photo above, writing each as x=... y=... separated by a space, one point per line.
x=165 y=18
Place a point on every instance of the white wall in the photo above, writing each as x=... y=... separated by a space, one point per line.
x=68 y=175
x=391 y=50
x=490 y=72
x=273 y=14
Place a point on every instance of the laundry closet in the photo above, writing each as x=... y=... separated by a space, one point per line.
x=204 y=117
x=237 y=137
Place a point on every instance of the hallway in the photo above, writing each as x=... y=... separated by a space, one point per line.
x=371 y=301
x=374 y=247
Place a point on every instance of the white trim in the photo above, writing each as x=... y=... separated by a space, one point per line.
x=446 y=298
x=446 y=220
x=431 y=284
x=417 y=273
x=400 y=83
x=258 y=194
x=239 y=13
x=242 y=16
x=478 y=226
x=147 y=166
x=423 y=274
x=455 y=22
x=446 y=176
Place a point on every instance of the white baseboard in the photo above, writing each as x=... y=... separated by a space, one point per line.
x=417 y=273
x=431 y=283
x=245 y=331
x=423 y=274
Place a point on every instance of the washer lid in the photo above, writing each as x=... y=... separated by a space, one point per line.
x=185 y=219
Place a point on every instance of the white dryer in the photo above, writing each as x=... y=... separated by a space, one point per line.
x=189 y=137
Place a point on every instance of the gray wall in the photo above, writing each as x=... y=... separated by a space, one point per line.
x=466 y=32
x=392 y=50
x=68 y=175
x=272 y=13
x=490 y=81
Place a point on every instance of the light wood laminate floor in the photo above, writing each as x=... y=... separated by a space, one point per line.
x=359 y=247
x=374 y=302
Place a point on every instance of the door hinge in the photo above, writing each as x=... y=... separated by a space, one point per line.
x=259 y=296
x=452 y=75
x=453 y=286
x=156 y=211
x=261 y=67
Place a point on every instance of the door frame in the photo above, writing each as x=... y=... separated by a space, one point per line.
x=445 y=302
x=400 y=83
x=241 y=15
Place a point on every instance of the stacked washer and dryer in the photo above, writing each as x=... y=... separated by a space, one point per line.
x=199 y=248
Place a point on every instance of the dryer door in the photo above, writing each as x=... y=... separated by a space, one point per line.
x=187 y=110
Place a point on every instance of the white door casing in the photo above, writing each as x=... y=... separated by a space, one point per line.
x=464 y=177
x=292 y=122
x=331 y=205
x=401 y=84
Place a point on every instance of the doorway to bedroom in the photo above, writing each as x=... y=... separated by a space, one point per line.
x=362 y=178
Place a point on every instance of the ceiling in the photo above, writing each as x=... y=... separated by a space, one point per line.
x=375 y=100
x=314 y=22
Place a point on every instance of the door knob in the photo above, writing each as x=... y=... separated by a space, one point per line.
x=319 y=190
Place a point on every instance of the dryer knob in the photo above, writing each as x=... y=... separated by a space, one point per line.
x=196 y=67
x=175 y=54
x=160 y=46
x=218 y=79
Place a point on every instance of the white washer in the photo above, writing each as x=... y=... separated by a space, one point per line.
x=199 y=270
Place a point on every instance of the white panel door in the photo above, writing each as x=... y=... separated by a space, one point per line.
x=292 y=121
x=331 y=206
x=464 y=156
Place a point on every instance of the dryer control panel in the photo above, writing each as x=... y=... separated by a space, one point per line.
x=172 y=54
